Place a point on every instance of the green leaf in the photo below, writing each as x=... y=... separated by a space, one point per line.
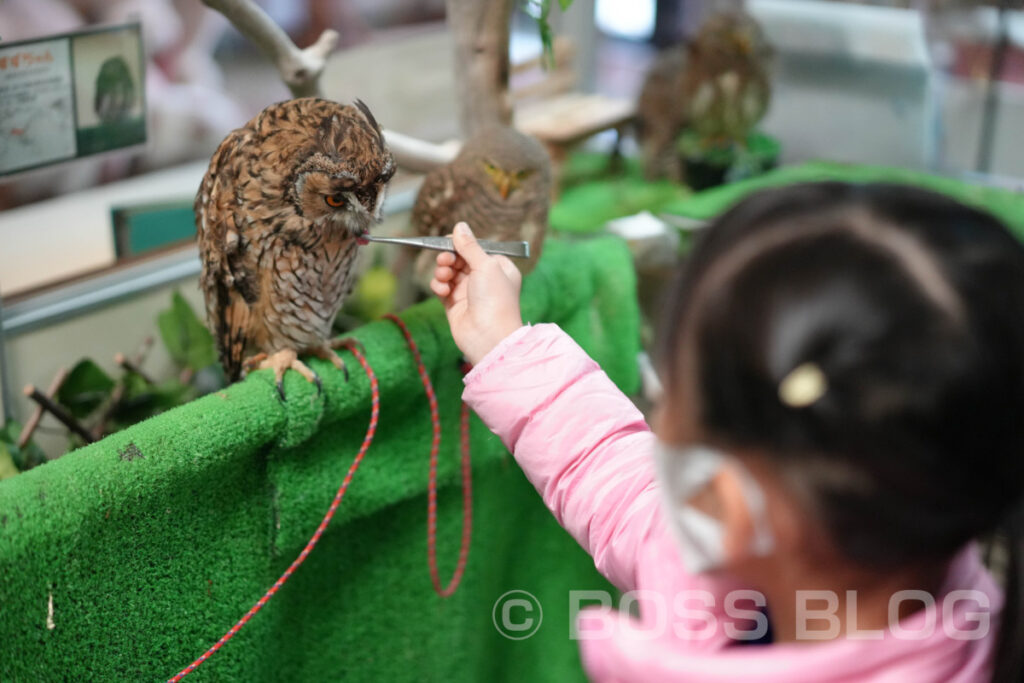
x=547 y=39
x=9 y=432
x=86 y=387
x=188 y=341
x=23 y=458
x=539 y=10
x=7 y=467
x=142 y=401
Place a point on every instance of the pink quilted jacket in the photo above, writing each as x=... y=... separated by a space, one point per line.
x=588 y=451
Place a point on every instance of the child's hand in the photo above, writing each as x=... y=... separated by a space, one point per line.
x=480 y=295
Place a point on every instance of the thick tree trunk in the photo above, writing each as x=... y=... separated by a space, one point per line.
x=480 y=31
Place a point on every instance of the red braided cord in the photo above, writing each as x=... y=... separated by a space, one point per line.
x=367 y=440
x=467 y=476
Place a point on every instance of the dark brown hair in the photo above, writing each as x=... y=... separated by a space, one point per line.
x=912 y=306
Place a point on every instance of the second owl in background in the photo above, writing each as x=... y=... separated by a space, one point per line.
x=716 y=85
x=500 y=184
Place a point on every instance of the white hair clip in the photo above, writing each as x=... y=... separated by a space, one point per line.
x=803 y=386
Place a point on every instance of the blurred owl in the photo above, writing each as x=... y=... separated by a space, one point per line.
x=716 y=85
x=500 y=183
x=280 y=214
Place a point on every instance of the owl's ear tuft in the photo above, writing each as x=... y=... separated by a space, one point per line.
x=365 y=111
x=327 y=134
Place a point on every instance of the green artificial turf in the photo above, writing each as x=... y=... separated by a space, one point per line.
x=593 y=194
x=1005 y=204
x=154 y=541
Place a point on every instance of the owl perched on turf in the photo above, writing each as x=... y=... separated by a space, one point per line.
x=280 y=215
x=716 y=85
x=500 y=184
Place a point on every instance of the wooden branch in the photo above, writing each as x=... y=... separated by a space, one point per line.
x=58 y=412
x=118 y=393
x=417 y=155
x=301 y=69
x=480 y=29
x=132 y=366
x=37 y=414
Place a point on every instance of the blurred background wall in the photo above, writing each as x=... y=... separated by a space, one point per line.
x=896 y=83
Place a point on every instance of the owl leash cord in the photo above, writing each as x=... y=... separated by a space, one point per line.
x=467 y=495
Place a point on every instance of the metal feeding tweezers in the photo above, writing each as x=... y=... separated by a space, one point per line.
x=512 y=249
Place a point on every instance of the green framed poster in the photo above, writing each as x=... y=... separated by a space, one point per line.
x=71 y=95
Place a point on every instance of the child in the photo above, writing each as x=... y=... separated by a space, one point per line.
x=843 y=416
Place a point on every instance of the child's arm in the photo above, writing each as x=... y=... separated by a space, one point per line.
x=579 y=440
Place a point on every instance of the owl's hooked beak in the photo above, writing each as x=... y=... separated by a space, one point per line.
x=503 y=181
x=505 y=185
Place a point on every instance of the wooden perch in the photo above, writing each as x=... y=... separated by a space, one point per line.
x=59 y=412
x=117 y=394
x=37 y=414
x=301 y=69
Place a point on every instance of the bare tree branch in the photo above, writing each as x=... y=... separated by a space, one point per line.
x=37 y=414
x=301 y=69
x=417 y=155
x=58 y=412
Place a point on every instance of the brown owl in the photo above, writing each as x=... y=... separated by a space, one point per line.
x=280 y=214
x=717 y=85
x=500 y=183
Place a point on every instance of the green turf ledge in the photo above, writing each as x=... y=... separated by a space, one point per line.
x=1005 y=204
x=154 y=541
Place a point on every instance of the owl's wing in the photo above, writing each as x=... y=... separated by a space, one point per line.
x=432 y=214
x=228 y=281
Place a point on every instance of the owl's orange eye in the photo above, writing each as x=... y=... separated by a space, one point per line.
x=335 y=200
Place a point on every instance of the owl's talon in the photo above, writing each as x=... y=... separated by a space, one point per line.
x=252 y=363
x=326 y=353
x=280 y=362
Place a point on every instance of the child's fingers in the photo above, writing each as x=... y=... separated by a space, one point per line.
x=443 y=273
x=446 y=258
x=509 y=268
x=442 y=289
x=466 y=245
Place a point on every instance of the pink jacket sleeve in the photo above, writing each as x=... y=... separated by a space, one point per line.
x=580 y=441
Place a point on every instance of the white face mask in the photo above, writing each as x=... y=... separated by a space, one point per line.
x=683 y=473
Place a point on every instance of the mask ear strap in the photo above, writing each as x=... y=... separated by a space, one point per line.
x=688 y=470
x=764 y=541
